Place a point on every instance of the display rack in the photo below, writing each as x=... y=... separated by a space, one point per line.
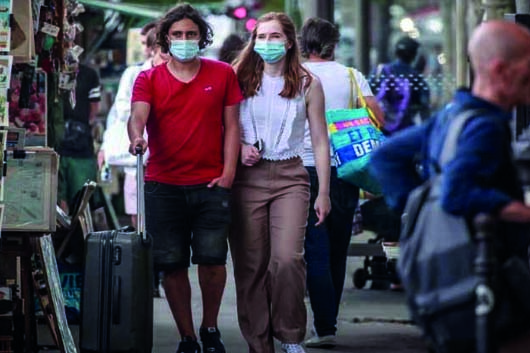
x=36 y=48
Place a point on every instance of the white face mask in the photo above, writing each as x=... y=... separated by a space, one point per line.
x=184 y=50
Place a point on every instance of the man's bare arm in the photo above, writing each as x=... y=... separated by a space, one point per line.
x=136 y=125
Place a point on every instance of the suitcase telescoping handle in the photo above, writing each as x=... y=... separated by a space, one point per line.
x=140 y=198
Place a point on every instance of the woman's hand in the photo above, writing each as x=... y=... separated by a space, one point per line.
x=322 y=208
x=249 y=155
x=101 y=158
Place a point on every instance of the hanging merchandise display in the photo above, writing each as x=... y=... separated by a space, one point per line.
x=6 y=63
x=39 y=61
x=27 y=106
x=44 y=67
x=22 y=32
x=6 y=9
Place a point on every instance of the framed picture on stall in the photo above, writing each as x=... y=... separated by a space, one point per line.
x=27 y=104
x=6 y=8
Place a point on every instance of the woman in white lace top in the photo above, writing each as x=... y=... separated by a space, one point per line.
x=271 y=188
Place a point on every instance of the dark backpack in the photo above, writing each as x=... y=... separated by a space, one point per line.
x=77 y=136
x=436 y=266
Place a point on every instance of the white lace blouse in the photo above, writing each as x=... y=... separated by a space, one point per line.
x=278 y=121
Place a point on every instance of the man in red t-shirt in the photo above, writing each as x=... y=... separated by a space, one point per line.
x=190 y=107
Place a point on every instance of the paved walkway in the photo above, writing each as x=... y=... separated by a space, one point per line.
x=370 y=321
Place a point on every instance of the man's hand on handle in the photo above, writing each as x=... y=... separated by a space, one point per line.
x=138 y=142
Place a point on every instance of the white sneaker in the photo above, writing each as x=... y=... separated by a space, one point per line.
x=327 y=341
x=292 y=348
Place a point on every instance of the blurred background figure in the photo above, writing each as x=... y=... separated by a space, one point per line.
x=120 y=111
x=231 y=47
x=78 y=163
x=400 y=89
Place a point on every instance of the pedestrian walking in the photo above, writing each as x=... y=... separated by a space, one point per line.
x=326 y=245
x=271 y=188
x=189 y=107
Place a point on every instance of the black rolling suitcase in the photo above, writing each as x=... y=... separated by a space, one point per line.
x=117 y=301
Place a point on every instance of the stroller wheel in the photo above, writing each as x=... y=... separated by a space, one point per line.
x=360 y=276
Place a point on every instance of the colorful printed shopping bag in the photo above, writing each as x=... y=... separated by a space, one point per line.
x=354 y=134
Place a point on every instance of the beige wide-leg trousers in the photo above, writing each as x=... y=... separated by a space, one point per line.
x=270 y=209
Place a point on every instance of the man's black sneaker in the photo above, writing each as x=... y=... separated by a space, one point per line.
x=211 y=340
x=189 y=345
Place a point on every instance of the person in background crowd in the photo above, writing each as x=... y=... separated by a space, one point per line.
x=482 y=177
x=144 y=39
x=271 y=189
x=190 y=107
x=231 y=47
x=326 y=245
x=400 y=90
x=121 y=110
x=78 y=161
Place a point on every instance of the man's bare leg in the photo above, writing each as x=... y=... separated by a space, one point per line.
x=212 y=280
x=178 y=293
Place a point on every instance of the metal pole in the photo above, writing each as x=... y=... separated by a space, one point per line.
x=484 y=269
x=448 y=42
x=462 y=67
x=382 y=18
x=292 y=8
x=522 y=6
x=362 y=35
x=495 y=9
x=309 y=9
x=318 y=8
x=326 y=9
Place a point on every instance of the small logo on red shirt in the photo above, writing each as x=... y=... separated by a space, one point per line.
x=208 y=89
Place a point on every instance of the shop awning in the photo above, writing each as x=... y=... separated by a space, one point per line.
x=129 y=9
x=151 y=12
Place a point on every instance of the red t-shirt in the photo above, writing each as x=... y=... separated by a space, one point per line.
x=185 y=124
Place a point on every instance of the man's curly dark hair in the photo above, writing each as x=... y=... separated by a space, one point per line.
x=179 y=13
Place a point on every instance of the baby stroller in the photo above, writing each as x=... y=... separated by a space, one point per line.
x=380 y=268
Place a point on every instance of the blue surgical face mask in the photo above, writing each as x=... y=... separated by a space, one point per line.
x=270 y=52
x=184 y=50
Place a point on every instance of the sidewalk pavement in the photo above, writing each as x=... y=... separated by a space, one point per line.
x=370 y=321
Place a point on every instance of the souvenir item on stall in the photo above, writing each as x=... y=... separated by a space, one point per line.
x=28 y=103
x=15 y=137
x=6 y=63
x=6 y=9
x=47 y=283
x=354 y=134
x=30 y=175
x=22 y=32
